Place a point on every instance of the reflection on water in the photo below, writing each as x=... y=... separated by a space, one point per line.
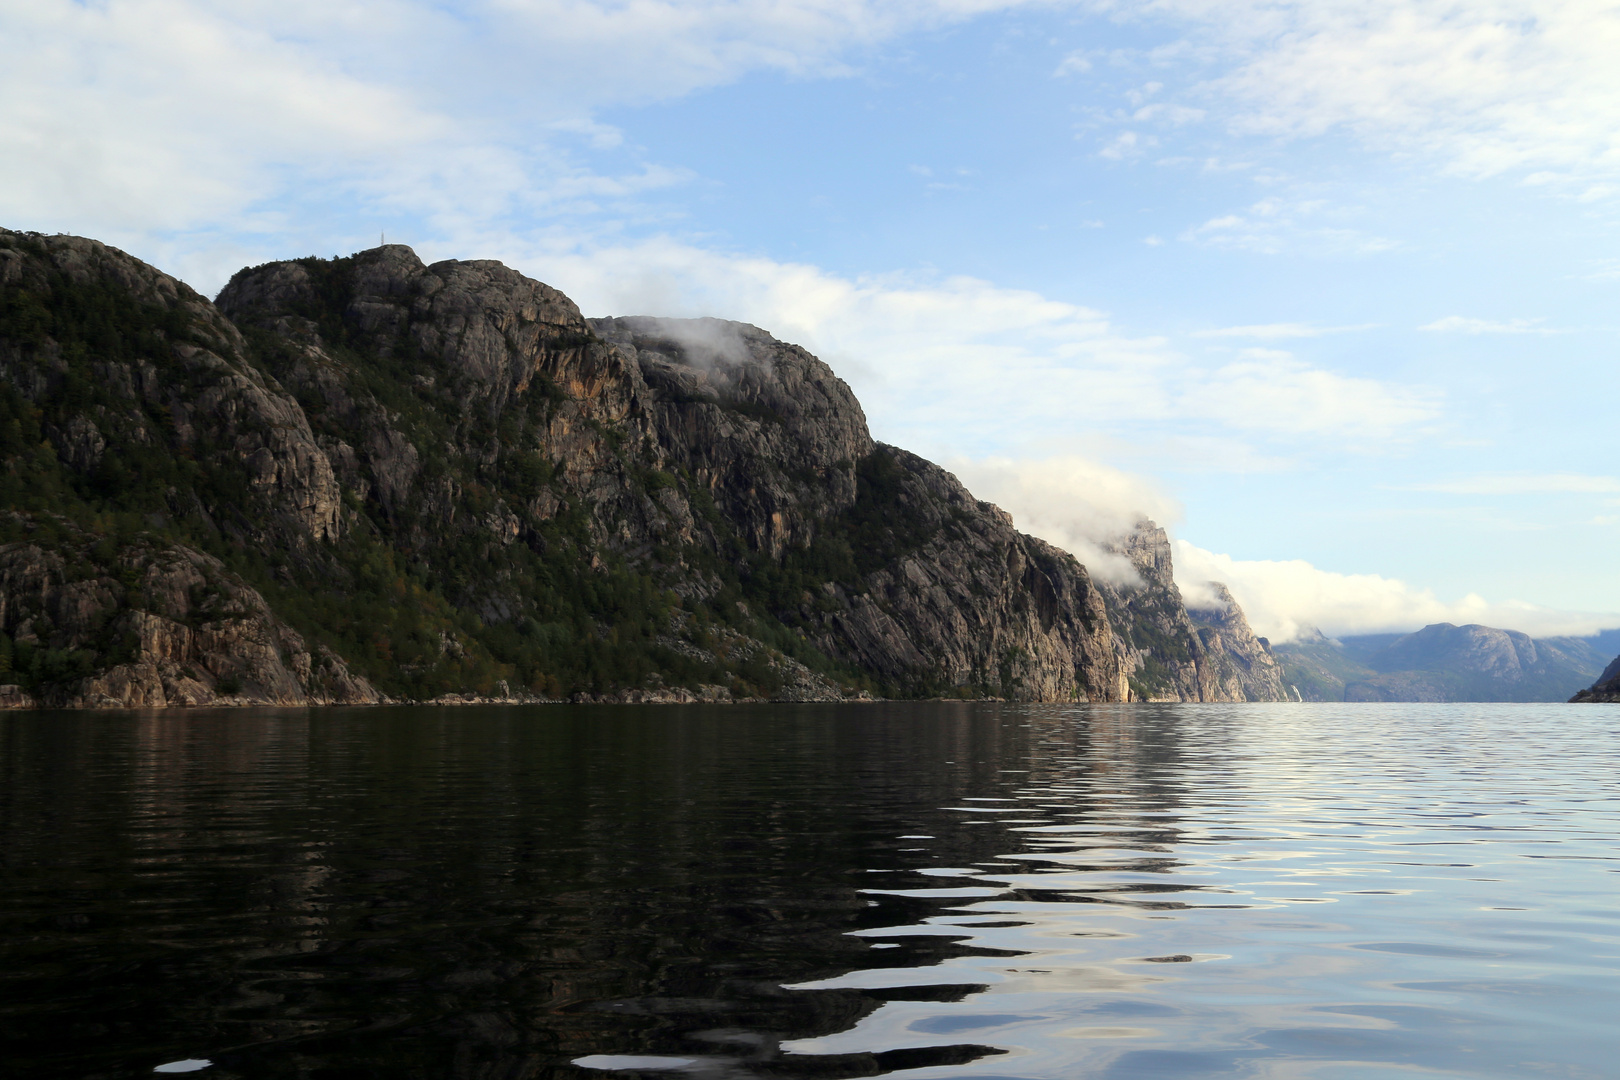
x=817 y=891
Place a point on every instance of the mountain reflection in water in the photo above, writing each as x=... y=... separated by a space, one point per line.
x=816 y=891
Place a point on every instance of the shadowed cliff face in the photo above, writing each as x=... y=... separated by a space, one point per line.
x=766 y=429
x=450 y=479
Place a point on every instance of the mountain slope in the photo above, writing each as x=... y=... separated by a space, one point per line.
x=444 y=479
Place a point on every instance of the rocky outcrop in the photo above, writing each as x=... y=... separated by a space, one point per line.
x=766 y=429
x=1607 y=687
x=734 y=446
x=1168 y=653
x=143 y=625
x=1241 y=665
x=1157 y=645
x=962 y=603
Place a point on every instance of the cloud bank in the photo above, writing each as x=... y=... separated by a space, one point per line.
x=1282 y=598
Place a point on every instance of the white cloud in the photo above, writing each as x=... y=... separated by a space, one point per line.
x=1168 y=113
x=1603 y=270
x=1072 y=502
x=1281 y=598
x=1459 y=325
x=1523 y=484
x=1482 y=87
x=1270 y=389
x=133 y=119
x=164 y=115
x=1277 y=331
x=1274 y=225
x=1127 y=145
x=1075 y=63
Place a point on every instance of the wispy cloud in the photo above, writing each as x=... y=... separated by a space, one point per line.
x=1127 y=145
x=1275 y=225
x=1458 y=324
x=1071 y=501
x=143 y=121
x=1603 y=270
x=1522 y=484
x=1479 y=89
x=1075 y=63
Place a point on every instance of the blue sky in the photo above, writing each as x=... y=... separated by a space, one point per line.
x=1327 y=288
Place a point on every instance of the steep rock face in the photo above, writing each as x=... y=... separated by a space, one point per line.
x=764 y=428
x=1240 y=664
x=134 y=373
x=1156 y=642
x=962 y=603
x=139 y=624
x=687 y=442
x=1170 y=654
x=945 y=597
x=468 y=345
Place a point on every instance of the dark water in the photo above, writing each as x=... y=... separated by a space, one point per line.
x=940 y=890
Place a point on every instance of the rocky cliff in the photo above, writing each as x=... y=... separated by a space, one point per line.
x=369 y=476
x=1168 y=652
x=1241 y=665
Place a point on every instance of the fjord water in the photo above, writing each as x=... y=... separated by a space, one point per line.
x=934 y=890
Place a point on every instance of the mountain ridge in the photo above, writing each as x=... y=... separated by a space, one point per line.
x=1440 y=662
x=396 y=481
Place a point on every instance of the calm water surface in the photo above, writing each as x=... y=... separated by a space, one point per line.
x=936 y=890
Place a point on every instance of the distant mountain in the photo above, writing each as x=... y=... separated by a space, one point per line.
x=1441 y=662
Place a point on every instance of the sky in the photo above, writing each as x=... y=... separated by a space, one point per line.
x=1328 y=289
